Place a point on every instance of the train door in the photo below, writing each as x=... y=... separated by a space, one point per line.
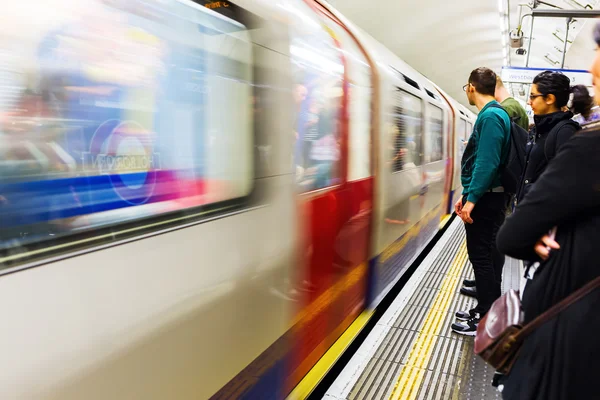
x=351 y=243
x=399 y=181
x=434 y=164
x=335 y=189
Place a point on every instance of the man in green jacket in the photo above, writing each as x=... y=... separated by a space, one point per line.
x=484 y=202
x=514 y=109
x=519 y=115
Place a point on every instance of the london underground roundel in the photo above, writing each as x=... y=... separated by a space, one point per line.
x=123 y=150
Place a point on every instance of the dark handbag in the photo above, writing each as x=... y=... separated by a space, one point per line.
x=500 y=333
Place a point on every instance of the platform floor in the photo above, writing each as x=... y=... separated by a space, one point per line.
x=412 y=353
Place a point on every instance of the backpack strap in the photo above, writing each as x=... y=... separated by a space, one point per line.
x=511 y=121
x=550 y=144
x=514 y=119
x=498 y=105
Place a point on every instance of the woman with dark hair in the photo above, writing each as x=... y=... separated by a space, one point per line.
x=549 y=94
x=559 y=360
x=582 y=105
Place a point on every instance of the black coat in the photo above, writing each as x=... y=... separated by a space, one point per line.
x=540 y=151
x=561 y=359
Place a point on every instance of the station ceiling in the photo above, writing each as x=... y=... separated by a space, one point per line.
x=445 y=40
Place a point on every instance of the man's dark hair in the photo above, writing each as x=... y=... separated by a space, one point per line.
x=556 y=83
x=484 y=80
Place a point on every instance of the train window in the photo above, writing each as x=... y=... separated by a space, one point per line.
x=469 y=131
x=406 y=131
x=461 y=134
x=318 y=90
x=431 y=94
x=359 y=106
x=123 y=114
x=411 y=82
x=434 y=136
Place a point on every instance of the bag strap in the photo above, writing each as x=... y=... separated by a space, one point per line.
x=514 y=119
x=498 y=105
x=557 y=308
x=511 y=121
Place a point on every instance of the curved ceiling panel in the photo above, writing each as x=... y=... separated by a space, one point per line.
x=445 y=40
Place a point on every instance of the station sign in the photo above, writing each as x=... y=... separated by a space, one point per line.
x=526 y=75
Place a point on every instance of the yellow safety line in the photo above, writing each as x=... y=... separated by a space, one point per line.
x=411 y=376
x=444 y=220
x=316 y=374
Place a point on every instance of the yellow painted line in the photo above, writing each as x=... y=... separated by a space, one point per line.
x=330 y=295
x=411 y=376
x=445 y=220
x=316 y=374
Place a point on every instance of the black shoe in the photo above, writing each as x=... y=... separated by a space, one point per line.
x=468 y=328
x=472 y=292
x=465 y=315
x=496 y=379
x=469 y=283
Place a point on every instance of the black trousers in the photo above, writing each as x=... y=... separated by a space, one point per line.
x=488 y=215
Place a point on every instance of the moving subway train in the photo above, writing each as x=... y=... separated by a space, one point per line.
x=199 y=197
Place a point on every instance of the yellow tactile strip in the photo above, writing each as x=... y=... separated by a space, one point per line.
x=420 y=357
x=386 y=367
x=412 y=373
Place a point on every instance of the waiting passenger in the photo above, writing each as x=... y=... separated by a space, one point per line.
x=518 y=114
x=484 y=201
x=549 y=93
x=513 y=107
x=582 y=105
x=559 y=359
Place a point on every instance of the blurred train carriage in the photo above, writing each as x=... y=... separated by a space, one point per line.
x=211 y=193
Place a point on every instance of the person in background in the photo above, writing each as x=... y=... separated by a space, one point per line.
x=512 y=106
x=559 y=359
x=484 y=201
x=549 y=93
x=582 y=105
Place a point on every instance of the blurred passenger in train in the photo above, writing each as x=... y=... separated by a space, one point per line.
x=549 y=93
x=484 y=201
x=559 y=360
x=512 y=106
x=299 y=95
x=315 y=126
x=582 y=105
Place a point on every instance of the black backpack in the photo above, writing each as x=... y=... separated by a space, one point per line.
x=514 y=166
x=550 y=144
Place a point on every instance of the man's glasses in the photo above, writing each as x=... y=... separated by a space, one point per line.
x=465 y=87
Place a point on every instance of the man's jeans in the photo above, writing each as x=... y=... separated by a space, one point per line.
x=488 y=215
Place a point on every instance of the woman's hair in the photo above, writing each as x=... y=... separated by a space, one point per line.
x=597 y=34
x=582 y=102
x=556 y=83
